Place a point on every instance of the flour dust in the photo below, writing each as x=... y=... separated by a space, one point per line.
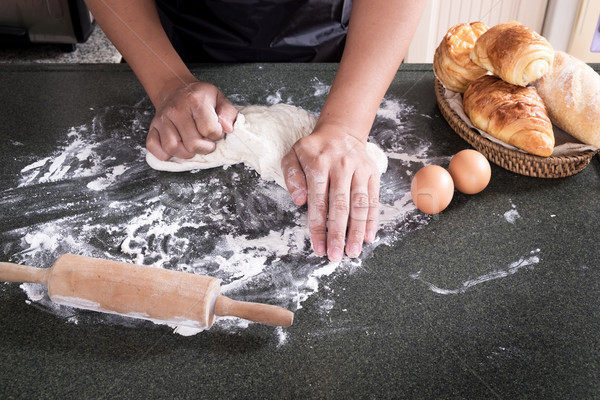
x=96 y=196
x=526 y=262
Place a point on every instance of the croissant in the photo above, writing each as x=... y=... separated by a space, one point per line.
x=513 y=52
x=514 y=114
x=452 y=62
x=571 y=93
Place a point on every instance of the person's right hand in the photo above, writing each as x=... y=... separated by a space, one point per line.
x=189 y=119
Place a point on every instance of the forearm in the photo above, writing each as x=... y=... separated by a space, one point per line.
x=134 y=28
x=379 y=35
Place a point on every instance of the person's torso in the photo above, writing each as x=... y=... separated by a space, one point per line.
x=256 y=30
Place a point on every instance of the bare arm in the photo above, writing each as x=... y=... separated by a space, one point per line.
x=379 y=35
x=185 y=121
x=330 y=169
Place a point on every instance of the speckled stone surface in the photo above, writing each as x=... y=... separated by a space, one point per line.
x=97 y=49
x=423 y=318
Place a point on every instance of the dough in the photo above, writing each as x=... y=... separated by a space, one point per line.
x=261 y=137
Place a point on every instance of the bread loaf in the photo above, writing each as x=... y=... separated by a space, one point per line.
x=513 y=52
x=571 y=92
x=514 y=114
x=452 y=59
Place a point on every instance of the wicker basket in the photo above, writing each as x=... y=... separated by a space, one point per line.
x=512 y=160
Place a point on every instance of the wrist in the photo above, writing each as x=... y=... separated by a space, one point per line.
x=331 y=126
x=162 y=88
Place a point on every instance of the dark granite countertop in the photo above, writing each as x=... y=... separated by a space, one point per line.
x=497 y=297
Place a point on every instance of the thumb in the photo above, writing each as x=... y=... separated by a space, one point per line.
x=295 y=180
x=226 y=112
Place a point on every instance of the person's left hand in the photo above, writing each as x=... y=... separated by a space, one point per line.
x=332 y=172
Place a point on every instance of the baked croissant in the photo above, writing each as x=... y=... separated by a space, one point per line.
x=513 y=52
x=514 y=114
x=452 y=62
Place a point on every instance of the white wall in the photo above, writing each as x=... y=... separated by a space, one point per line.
x=440 y=15
x=560 y=18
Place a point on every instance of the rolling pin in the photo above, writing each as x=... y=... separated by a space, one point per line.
x=156 y=294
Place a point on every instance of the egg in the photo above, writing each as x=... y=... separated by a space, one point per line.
x=432 y=189
x=470 y=171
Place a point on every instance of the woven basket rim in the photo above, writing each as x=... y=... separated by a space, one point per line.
x=512 y=160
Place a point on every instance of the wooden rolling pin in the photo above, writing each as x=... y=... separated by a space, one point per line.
x=156 y=294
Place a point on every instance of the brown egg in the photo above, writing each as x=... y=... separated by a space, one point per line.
x=432 y=189
x=470 y=171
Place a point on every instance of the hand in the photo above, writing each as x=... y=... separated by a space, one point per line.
x=189 y=120
x=332 y=171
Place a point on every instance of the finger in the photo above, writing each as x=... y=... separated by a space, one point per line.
x=153 y=145
x=294 y=178
x=192 y=139
x=226 y=113
x=339 y=209
x=373 y=215
x=200 y=146
x=170 y=140
x=359 y=209
x=317 y=184
x=207 y=122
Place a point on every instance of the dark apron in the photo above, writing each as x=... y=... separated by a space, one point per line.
x=256 y=30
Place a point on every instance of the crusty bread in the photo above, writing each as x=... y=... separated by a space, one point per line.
x=452 y=59
x=571 y=92
x=514 y=114
x=513 y=52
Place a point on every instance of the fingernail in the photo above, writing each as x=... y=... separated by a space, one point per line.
x=369 y=236
x=320 y=248
x=297 y=196
x=354 y=250
x=336 y=254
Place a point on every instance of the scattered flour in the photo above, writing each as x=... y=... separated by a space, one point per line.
x=103 y=201
x=394 y=111
x=274 y=98
x=321 y=89
x=110 y=178
x=513 y=268
x=512 y=215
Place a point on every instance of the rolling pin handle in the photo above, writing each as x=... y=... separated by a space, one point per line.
x=10 y=272
x=262 y=313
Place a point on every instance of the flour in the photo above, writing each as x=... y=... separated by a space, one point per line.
x=511 y=216
x=261 y=137
x=103 y=201
x=110 y=178
x=513 y=268
x=321 y=89
x=274 y=99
